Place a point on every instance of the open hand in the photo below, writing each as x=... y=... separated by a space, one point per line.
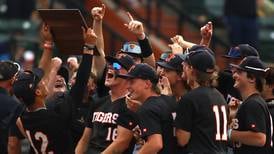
x=164 y=86
x=176 y=48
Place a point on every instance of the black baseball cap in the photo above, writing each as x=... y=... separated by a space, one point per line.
x=64 y=72
x=8 y=69
x=172 y=62
x=125 y=61
x=253 y=65
x=201 y=58
x=241 y=51
x=142 y=71
x=25 y=85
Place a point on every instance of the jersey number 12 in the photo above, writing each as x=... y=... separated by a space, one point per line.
x=219 y=136
x=39 y=136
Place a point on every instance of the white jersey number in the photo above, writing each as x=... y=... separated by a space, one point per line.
x=39 y=136
x=112 y=134
x=219 y=136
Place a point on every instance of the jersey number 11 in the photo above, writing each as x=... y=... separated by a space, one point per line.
x=219 y=136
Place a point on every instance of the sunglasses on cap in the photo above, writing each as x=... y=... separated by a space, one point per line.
x=131 y=47
x=234 y=52
x=116 y=66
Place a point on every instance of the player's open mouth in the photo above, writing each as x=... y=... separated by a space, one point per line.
x=59 y=84
x=110 y=74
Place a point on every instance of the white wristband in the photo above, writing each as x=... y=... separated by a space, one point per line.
x=229 y=131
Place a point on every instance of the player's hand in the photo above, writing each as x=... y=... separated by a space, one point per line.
x=164 y=86
x=132 y=104
x=207 y=31
x=56 y=62
x=46 y=34
x=176 y=48
x=135 y=27
x=89 y=36
x=179 y=40
x=98 y=12
x=72 y=63
x=233 y=105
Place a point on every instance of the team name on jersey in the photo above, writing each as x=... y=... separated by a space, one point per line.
x=105 y=117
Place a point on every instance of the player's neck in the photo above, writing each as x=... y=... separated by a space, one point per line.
x=39 y=104
x=147 y=95
x=5 y=85
x=178 y=90
x=248 y=92
x=117 y=93
x=194 y=85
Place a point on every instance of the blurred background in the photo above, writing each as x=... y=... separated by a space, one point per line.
x=163 y=19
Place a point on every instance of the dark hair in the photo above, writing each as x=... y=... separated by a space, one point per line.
x=206 y=79
x=155 y=88
x=259 y=81
x=270 y=76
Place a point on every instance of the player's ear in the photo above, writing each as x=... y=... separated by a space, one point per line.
x=38 y=92
x=148 y=84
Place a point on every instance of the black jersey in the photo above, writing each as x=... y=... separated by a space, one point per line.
x=225 y=85
x=155 y=117
x=105 y=118
x=9 y=111
x=270 y=105
x=253 y=115
x=46 y=132
x=203 y=113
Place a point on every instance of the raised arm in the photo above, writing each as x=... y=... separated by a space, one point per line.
x=99 y=62
x=78 y=90
x=206 y=33
x=47 y=52
x=137 y=28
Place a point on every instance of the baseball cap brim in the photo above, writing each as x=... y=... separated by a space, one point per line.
x=165 y=65
x=113 y=60
x=236 y=66
x=125 y=76
x=231 y=57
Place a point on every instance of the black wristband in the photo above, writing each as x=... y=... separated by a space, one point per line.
x=92 y=47
x=146 y=49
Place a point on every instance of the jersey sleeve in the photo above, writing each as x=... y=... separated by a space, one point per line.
x=255 y=119
x=150 y=121
x=15 y=132
x=89 y=117
x=127 y=120
x=185 y=114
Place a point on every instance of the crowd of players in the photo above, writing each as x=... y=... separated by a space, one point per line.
x=130 y=103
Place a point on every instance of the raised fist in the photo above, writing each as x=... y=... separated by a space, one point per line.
x=207 y=31
x=46 y=34
x=98 y=12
